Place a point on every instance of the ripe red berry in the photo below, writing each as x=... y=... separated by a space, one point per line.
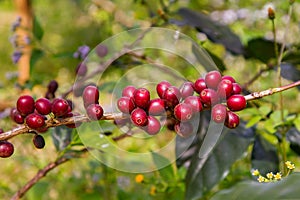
x=38 y=141
x=60 y=107
x=232 y=120
x=200 y=85
x=156 y=107
x=35 y=121
x=218 y=113
x=153 y=126
x=236 y=102
x=172 y=96
x=209 y=97
x=90 y=95
x=6 y=149
x=25 y=105
x=128 y=91
x=194 y=102
x=212 y=79
x=141 y=97
x=81 y=69
x=16 y=116
x=183 y=112
x=94 y=111
x=184 y=129
x=126 y=104
x=187 y=89
x=139 y=117
x=162 y=87
x=236 y=88
x=230 y=78
x=224 y=89
x=43 y=106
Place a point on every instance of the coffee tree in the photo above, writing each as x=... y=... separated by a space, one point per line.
x=170 y=104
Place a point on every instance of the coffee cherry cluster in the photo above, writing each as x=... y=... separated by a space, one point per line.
x=219 y=93
x=90 y=97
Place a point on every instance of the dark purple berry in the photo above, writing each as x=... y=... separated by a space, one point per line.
x=128 y=91
x=81 y=69
x=90 y=95
x=35 y=121
x=141 y=97
x=225 y=89
x=200 y=85
x=60 y=107
x=183 y=112
x=38 y=141
x=162 y=87
x=209 y=97
x=212 y=79
x=43 y=106
x=170 y=123
x=52 y=86
x=139 y=117
x=25 y=105
x=195 y=103
x=94 y=111
x=187 y=89
x=219 y=113
x=232 y=120
x=236 y=102
x=126 y=105
x=153 y=126
x=156 y=107
x=6 y=149
x=236 y=88
x=101 y=50
x=172 y=96
x=184 y=129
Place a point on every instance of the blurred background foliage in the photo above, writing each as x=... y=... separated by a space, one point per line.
x=236 y=33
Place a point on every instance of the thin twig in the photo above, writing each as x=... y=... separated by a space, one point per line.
x=256 y=76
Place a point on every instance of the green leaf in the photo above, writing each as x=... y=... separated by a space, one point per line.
x=288 y=188
x=254 y=120
x=61 y=137
x=167 y=172
x=297 y=122
x=37 y=29
x=265 y=110
x=35 y=56
x=203 y=175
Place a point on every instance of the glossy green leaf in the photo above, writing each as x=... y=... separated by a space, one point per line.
x=288 y=188
x=167 y=172
x=203 y=175
x=37 y=29
x=253 y=121
x=264 y=110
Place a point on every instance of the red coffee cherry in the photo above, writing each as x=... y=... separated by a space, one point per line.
x=212 y=79
x=236 y=88
x=230 y=78
x=183 y=112
x=139 y=117
x=94 y=112
x=126 y=105
x=60 y=107
x=156 y=107
x=16 y=116
x=186 y=89
x=162 y=87
x=141 y=97
x=25 y=105
x=38 y=141
x=43 y=106
x=172 y=96
x=195 y=103
x=184 y=129
x=128 y=91
x=200 y=85
x=219 y=113
x=90 y=95
x=209 y=97
x=153 y=126
x=6 y=149
x=232 y=120
x=35 y=121
x=225 y=88
x=236 y=102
